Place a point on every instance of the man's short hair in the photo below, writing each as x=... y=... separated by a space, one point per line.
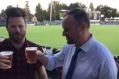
x=79 y=15
x=15 y=12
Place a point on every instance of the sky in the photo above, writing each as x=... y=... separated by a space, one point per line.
x=44 y=3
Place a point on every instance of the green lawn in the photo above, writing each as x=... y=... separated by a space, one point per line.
x=52 y=36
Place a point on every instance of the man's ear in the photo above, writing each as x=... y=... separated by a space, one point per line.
x=83 y=26
x=79 y=30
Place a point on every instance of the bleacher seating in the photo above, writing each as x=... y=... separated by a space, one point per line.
x=109 y=22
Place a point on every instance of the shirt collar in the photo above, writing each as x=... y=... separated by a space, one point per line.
x=87 y=45
x=23 y=46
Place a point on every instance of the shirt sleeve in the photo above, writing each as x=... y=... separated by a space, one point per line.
x=57 y=59
x=108 y=70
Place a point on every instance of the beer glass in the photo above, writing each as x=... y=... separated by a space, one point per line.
x=8 y=54
x=30 y=53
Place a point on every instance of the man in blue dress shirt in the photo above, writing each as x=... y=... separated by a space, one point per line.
x=93 y=61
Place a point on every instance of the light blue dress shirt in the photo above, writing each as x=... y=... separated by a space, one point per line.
x=94 y=61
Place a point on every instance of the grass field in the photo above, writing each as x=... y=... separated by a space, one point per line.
x=52 y=36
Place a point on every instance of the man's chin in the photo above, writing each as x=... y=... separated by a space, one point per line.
x=17 y=40
x=69 y=42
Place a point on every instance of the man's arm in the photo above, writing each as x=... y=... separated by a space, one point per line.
x=42 y=73
x=42 y=58
x=51 y=62
x=108 y=70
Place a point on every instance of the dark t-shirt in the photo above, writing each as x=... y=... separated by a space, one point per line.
x=20 y=68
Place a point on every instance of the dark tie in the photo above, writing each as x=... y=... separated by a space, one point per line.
x=72 y=64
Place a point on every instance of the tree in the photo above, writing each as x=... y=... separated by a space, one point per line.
x=38 y=12
x=91 y=6
x=10 y=6
x=63 y=6
x=107 y=11
x=45 y=15
x=114 y=12
x=53 y=10
x=77 y=5
x=27 y=11
x=2 y=15
x=56 y=7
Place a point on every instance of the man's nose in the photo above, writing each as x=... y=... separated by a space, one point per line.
x=17 y=29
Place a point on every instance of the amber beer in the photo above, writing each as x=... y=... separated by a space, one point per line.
x=31 y=54
x=8 y=54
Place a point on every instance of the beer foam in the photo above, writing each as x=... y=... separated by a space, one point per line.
x=5 y=53
x=31 y=48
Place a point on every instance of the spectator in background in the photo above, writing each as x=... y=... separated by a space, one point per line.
x=1 y=39
x=117 y=63
x=16 y=27
x=83 y=57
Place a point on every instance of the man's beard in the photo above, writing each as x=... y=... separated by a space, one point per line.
x=17 y=37
x=70 y=41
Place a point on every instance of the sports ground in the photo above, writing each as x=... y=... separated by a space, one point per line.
x=52 y=35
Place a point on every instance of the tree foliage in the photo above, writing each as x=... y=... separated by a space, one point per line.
x=107 y=11
x=40 y=13
x=91 y=6
x=27 y=11
x=56 y=7
x=77 y=5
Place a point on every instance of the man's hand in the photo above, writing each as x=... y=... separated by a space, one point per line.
x=5 y=62
x=42 y=58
